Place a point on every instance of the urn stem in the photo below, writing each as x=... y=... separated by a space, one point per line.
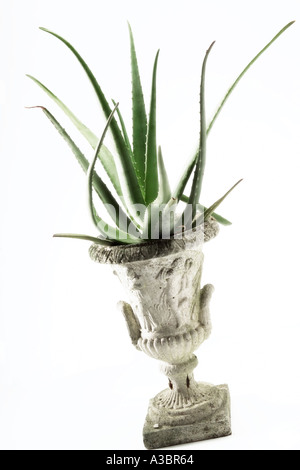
x=183 y=390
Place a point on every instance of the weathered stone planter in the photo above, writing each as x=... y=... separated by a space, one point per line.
x=168 y=318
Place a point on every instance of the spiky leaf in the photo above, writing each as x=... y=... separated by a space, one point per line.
x=98 y=241
x=151 y=183
x=139 y=117
x=164 y=192
x=191 y=165
x=121 y=236
x=103 y=192
x=129 y=182
x=243 y=73
x=200 y=165
x=105 y=155
x=208 y=212
x=216 y=216
x=124 y=130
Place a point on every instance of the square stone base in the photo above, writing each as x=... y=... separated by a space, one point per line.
x=193 y=427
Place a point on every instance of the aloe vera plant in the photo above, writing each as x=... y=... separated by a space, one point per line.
x=143 y=196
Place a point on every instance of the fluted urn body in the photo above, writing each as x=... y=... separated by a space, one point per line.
x=167 y=315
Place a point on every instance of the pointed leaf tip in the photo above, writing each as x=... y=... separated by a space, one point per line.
x=212 y=44
x=151 y=170
x=34 y=107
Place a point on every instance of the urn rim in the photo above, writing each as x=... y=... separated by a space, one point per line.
x=124 y=254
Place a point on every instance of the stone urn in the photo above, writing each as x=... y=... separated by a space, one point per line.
x=167 y=315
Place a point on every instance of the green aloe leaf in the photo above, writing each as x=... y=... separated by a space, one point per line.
x=105 y=155
x=177 y=194
x=121 y=236
x=98 y=241
x=216 y=216
x=139 y=117
x=243 y=73
x=164 y=192
x=189 y=168
x=201 y=160
x=151 y=182
x=219 y=218
x=103 y=192
x=129 y=182
x=125 y=134
x=208 y=212
x=85 y=131
x=91 y=170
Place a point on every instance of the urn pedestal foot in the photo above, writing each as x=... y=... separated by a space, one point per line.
x=209 y=418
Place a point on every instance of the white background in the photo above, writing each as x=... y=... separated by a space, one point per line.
x=69 y=377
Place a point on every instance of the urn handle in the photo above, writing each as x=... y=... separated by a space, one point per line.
x=133 y=325
x=204 y=316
